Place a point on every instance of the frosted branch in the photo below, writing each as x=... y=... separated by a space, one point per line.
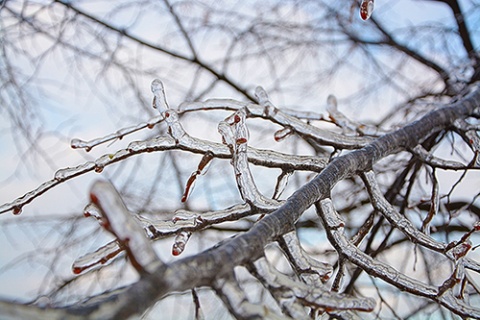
x=406 y=227
x=183 y=223
x=101 y=257
x=184 y=220
x=471 y=136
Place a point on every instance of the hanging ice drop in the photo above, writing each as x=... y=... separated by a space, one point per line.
x=366 y=9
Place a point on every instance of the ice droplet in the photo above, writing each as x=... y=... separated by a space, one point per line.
x=91 y=210
x=366 y=9
x=80 y=144
x=180 y=242
x=17 y=210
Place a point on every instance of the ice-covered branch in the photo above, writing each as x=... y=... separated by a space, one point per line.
x=294 y=295
x=436 y=162
x=404 y=225
x=124 y=227
x=235 y=135
x=335 y=226
x=278 y=116
x=237 y=302
x=350 y=127
x=312 y=271
x=266 y=158
x=183 y=222
x=119 y=135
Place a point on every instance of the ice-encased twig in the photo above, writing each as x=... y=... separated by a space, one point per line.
x=267 y=158
x=334 y=226
x=118 y=135
x=234 y=297
x=471 y=136
x=201 y=170
x=159 y=97
x=311 y=270
x=293 y=295
x=235 y=135
x=101 y=257
x=182 y=221
x=124 y=227
x=405 y=226
x=436 y=162
x=324 y=137
x=350 y=126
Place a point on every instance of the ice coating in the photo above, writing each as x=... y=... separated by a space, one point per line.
x=180 y=242
x=91 y=210
x=286 y=118
x=187 y=220
x=335 y=228
x=175 y=129
x=102 y=256
x=292 y=247
x=289 y=290
x=201 y=170
x=120 y=134
x=366 y=9
x=282 y=133
x=235 y=135
x=159 y=99
x=282 y=182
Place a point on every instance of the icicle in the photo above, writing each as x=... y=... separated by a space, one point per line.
x=180 y=242
x=366 y=9
x=282 y=134
x=159 y=99
x=201 y=170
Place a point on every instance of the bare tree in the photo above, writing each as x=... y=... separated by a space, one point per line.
x=307 y=209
